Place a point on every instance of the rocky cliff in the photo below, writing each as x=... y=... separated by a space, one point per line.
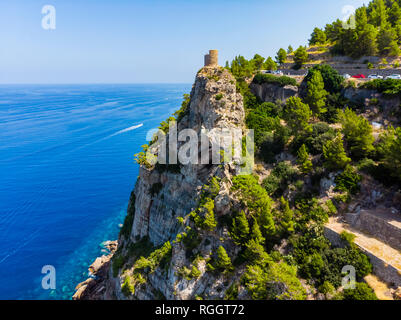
x=159 y=208
x=269 y=92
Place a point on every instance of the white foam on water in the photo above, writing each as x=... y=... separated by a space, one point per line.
x=126 y=130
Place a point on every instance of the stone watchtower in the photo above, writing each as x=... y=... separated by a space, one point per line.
x=212 y=58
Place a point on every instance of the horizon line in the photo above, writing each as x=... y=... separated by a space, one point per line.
x=92 y=83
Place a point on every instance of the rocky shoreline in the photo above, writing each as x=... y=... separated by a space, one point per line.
x=94 y=287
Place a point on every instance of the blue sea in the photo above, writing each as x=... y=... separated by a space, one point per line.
x=66 y=172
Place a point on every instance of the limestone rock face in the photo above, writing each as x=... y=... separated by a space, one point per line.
x=269 y=92
x=371 y=99
x=164 y=193
x=214 y=104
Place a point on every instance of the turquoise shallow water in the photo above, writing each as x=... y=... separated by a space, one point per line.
x=66 y=173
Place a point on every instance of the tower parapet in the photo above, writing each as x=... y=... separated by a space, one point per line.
x=212 y=58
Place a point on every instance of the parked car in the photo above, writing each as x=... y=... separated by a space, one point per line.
x=346 y=76
x=267 y=71
x=278 y=72
x=375 y=76
x=394 y=76
x=359 y=76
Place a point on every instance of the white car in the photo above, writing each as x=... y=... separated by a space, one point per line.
x=280 y=73
x=346 y=76
x=375 y=76
x=394 y=76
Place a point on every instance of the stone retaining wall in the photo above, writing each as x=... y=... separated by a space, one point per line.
x=376 y=226
x=350 y=71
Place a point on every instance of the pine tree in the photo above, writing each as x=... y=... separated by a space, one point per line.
x=316 y=96
x=266 y=221
x=367 y=41
x=387 y=41
x=256 y=254
x=256 y=234
x=270 y=64
x=223 y=261
x=394 y=13
x=318 y=37
x=297 y=115
x=361 y=18
x=390 y=151
x=290 y=49
x=357 y=133
x=333 y=30
x=281 y=56
x=303 y=160
x=300 y=56
x=378 y=13
x=209 y=221
x=240 y=228
x=334 y=154
x=287 y=217
x=257 y=62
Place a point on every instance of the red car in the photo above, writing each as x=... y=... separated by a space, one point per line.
x=359 y=76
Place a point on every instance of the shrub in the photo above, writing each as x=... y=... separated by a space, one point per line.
x=357 y=133
x=314 y=139
x=261 y=122
x=271 y=184
x=327 y=288
x=367 y=165
x=347 y=237
x=389 y=87
x=348 y=180
x=232 y=292
x=127 y=288
x=282 y=81
x=142 y=158
x=273 y=143
x=160 y=257
x=312 y=243
x=331 y=207
x=118 y=262
x=195 y=272
x=279 y=178
x=333 y=81
x=191 y=241
x=219 y=96
x=204 y=216
x=278 y=282
x=361 y=292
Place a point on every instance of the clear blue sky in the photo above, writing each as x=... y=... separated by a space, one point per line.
x=132 y=41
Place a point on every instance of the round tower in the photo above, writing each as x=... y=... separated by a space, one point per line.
x=212 y=58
